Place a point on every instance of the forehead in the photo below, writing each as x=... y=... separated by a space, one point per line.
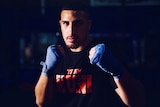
x=73 y=14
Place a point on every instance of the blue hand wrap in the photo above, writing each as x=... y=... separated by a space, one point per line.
x=105 y=60
x=52 y=57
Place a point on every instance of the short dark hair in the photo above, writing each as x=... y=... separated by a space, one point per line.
x=77 y=6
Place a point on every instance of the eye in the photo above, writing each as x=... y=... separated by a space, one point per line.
x=78 y=22
x=65 y=23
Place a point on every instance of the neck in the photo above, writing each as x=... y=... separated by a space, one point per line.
x=83 y=46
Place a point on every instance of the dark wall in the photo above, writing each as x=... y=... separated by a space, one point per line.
x=140 y=22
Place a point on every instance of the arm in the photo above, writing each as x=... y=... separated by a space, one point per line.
x=44 y=91
x=44 y=87
x=130 y=91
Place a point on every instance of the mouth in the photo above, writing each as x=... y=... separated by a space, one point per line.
x=71 y=39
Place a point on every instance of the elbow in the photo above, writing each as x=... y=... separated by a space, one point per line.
x=127 y=103
x=135 y=103
x=39 y=103
x=41 y=100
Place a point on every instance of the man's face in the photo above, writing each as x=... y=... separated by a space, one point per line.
x=74 y=27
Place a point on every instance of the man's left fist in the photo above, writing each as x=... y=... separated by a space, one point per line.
x=102 y=57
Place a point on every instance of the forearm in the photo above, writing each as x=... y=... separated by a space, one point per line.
x=130 y=91
x=44 y=91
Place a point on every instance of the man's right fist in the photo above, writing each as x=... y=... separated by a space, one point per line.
x=52 y=57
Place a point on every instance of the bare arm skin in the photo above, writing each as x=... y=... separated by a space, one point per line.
x=130 y=91
x=44 y=91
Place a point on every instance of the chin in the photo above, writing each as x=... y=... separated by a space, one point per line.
x=72 y=46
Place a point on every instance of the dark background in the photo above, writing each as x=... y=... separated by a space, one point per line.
x=131 y=31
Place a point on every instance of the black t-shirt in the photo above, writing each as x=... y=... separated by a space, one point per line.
x=78 y=83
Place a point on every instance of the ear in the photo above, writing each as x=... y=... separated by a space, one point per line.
x=59 y=22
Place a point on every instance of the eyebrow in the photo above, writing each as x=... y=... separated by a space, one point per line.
x=77 y=20
x=64 y=21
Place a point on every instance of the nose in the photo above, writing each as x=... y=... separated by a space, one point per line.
x=71 y=29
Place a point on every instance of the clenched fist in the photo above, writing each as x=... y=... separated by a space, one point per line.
x=53 y=55
x=102 y=57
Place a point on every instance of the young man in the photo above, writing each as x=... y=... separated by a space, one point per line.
x=83 y=72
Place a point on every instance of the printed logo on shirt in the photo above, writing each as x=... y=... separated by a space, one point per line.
x=74 y=82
